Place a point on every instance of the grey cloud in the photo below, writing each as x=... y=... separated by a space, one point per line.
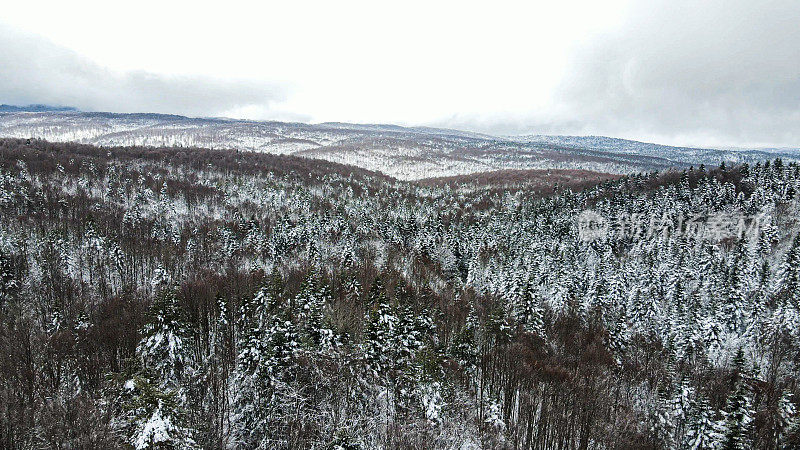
x=726 y=68
x=713 y=71
x=33 y=70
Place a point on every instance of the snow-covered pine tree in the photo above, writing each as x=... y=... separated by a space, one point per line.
x=790 y=274
x=155 y=398
x=737 y=427
x=379 y=337
x=309 y=303
x=265 y=365
x=702 y=430
x=788 y=427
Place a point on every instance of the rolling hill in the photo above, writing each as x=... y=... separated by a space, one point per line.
x=406 y=153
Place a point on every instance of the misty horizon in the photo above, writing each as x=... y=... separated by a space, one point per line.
x=39 y=107
x=717 y=74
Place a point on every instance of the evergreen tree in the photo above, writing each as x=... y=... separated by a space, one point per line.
x=155 y=399
x=790 y=273
x=464 y=347
x=702 y=431
x=788 y=435
x=663 y=422
x=739 y=411
x=310 y=303
x=379 y=338
x=164 y=348
x=265 y=364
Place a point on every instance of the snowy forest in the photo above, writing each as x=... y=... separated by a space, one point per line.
x=178 y=298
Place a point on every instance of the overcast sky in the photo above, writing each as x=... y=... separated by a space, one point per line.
x=679 y=71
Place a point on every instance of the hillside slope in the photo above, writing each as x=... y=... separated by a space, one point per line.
x=209 y=299
x=400 y=152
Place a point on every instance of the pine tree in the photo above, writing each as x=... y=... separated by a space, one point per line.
x=155 y=398
x=379 y=337
x=701 y=429
x=164 y=349
x=464 y=347
x=641 y=312
x=532 y=312
x=663 y=422
x=11 y=268
x=266 y=362
x=790 y=273
x=377 y=292
x=789 y=424
x=310 y=302
x=155 y=418
x=712 y=324
x=738 y=410
x=681 y=407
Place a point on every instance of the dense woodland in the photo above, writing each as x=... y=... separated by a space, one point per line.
x=189 y=298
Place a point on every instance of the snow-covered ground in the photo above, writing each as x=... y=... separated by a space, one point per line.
x=403 y=153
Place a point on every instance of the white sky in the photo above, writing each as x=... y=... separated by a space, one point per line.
x=411 y=61
x=497 y=66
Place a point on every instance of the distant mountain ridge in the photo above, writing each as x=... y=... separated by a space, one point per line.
x=406 y=153
x=677 y=153
x=35 y=108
